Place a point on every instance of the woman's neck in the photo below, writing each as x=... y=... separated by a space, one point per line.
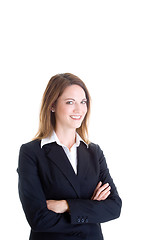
x=66 y=137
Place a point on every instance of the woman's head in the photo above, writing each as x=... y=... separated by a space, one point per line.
x=64 y=93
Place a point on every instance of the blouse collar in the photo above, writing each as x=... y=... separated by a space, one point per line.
x=54 y=138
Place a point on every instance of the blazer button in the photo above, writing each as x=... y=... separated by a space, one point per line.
x=86 y=220
x=82 y=220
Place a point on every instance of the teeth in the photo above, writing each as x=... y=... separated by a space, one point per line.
x=75 y=117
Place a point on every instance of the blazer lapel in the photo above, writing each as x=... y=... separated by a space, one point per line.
x=83 y=160
x=56 y=154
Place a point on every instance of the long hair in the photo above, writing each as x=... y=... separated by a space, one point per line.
x=54 y=89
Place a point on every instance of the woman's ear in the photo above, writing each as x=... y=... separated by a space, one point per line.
x=53 y=107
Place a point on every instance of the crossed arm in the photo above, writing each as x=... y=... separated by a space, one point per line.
x=46 y=216
x=60 y=206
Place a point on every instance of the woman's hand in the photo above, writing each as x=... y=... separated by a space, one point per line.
x=101 y=192
x=58 y=206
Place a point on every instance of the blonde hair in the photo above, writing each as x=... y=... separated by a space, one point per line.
x=53 y=91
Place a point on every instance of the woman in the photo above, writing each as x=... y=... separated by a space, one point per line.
x=64 y=183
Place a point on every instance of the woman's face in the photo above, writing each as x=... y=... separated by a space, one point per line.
x=71 y=108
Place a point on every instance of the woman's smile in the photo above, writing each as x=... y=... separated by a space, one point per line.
x=76 y=117
x=71 y=108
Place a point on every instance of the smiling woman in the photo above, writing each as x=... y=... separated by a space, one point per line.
x=70 y=111
x=64 y=183
x=62 y=90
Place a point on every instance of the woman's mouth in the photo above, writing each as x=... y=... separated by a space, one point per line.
x=76 y=117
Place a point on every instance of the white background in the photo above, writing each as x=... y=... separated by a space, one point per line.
x=114 y=47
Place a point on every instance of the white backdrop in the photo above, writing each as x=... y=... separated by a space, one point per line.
x=114 y=46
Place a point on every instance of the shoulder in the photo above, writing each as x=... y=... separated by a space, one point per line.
x=28 y=156
x=29 y=151
x=32 y=146
x=95 y=148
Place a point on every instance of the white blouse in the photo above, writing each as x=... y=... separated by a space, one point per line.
x=71 y=154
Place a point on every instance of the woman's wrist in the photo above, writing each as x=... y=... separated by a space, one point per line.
x=58 y=206
x=67 y=206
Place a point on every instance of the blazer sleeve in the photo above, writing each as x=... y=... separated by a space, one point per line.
x=93 y=211
x=32 y=196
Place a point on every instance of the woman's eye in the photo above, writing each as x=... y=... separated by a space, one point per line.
x=72 y=102
x=69 y=102
x=84 y=102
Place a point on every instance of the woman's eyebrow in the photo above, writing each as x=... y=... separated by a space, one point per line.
x=69 y=99
x=84 y=99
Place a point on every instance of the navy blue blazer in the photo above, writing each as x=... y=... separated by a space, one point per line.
x=46 y=173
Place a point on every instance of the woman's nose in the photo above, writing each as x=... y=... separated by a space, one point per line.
x=77 y=108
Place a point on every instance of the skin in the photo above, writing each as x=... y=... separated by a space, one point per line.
x=72 y=103
x=70 y=111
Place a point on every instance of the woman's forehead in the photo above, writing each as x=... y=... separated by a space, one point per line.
x=73 y=91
